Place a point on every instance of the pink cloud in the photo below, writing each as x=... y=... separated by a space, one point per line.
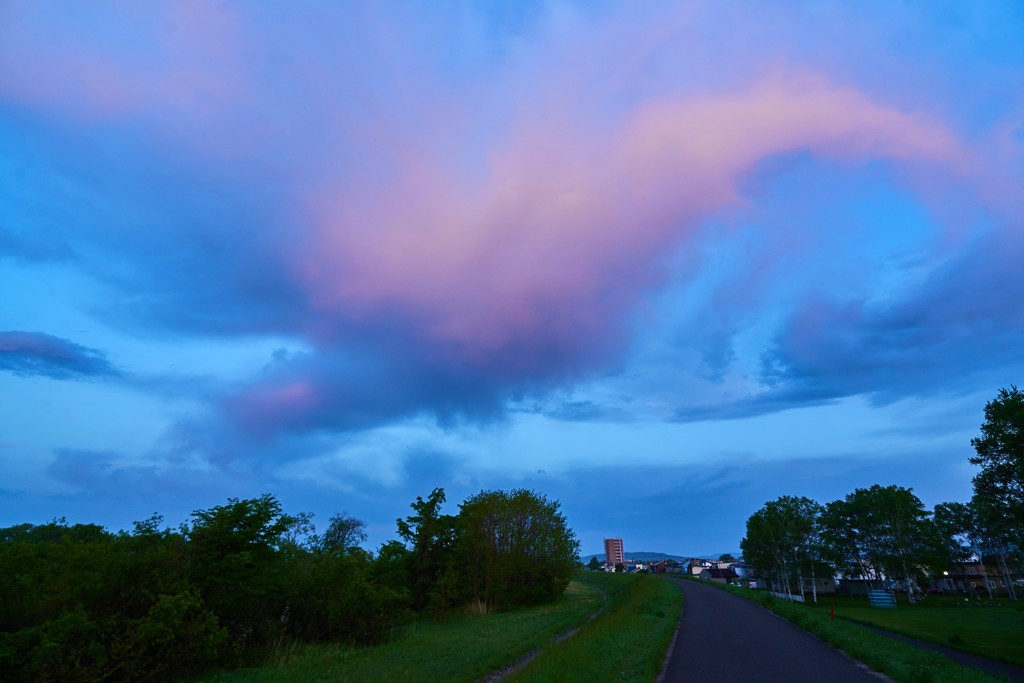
x=563 y=231
x=506 y=221
x=177 y=65
x=263 y=409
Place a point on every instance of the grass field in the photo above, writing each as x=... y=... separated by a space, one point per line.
x=463 y=649
x=990 y=629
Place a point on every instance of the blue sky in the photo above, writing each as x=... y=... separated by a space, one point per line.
x=662 y=263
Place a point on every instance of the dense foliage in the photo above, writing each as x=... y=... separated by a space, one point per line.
x=514 y=548
x=999 y=485
x=783 y=539
x=880 y=531
x=80 y=603
x=886 y=531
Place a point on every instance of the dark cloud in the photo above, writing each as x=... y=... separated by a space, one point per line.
x=961 y=329
x=37 y=353
x=686 y=508
x=769 y=401
x=109 y=488
x=423 y=466
x=702 y=508
x=83 y=469
x=584 y=410
x=344 y=390
x=112 y=488
x=33 y=248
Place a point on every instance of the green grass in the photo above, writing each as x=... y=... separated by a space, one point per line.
x=990 y=629
x=901 y=661
x=463 y=649
x=633 y=632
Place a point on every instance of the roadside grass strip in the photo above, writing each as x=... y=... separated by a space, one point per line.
x=993 y=629
x=465 y=648
x=626 y=642
x=900 y=661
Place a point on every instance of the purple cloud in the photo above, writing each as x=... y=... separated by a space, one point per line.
x=36 y=353
x=443 y=230
x=962 y=327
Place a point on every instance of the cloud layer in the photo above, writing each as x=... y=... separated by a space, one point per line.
x=447 y=212
x=35 y=353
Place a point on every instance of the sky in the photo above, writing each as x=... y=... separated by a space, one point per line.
x=662 y=262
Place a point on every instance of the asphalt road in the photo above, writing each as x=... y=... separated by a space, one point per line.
x=726 y=638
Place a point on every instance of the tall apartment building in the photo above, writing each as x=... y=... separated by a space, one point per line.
x=613 y=551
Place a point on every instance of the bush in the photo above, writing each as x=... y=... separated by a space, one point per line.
x=178 y=637
x=82 y=604
x=514 y=548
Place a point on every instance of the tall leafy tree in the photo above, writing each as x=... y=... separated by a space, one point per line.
x=429 y=536
x=783 y=541
x=881 y=530
x=514 y=548
x=814 y=558
x=965 y=532
x=999 y=543
x=959 y=532
x=234 y=561
x=999 y=485
x=848 y=543
x=343 y=532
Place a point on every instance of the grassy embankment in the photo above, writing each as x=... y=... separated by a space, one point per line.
x=634 y=632
x=993 y=629
x=469 y=647
x=901 y=661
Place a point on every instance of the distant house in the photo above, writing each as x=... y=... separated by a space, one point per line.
x=822 y=585
x=722 y=575
x=700 y=572
x=674 y=567
x=695 y=564
x=745 y=573
x=975 y=578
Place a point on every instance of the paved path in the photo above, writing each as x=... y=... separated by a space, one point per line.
x=725 y=638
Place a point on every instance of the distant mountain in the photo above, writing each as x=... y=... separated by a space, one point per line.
x=647 y=556
x=642 y=555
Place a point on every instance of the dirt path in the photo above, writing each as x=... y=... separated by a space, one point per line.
x=528 y=657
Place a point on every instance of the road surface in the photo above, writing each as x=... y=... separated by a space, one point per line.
x=723 y=637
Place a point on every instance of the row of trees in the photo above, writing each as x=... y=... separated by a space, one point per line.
x=81 y=603
x=886 y=531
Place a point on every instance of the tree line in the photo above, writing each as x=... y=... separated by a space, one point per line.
x=886 y=531
x=81 y=603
